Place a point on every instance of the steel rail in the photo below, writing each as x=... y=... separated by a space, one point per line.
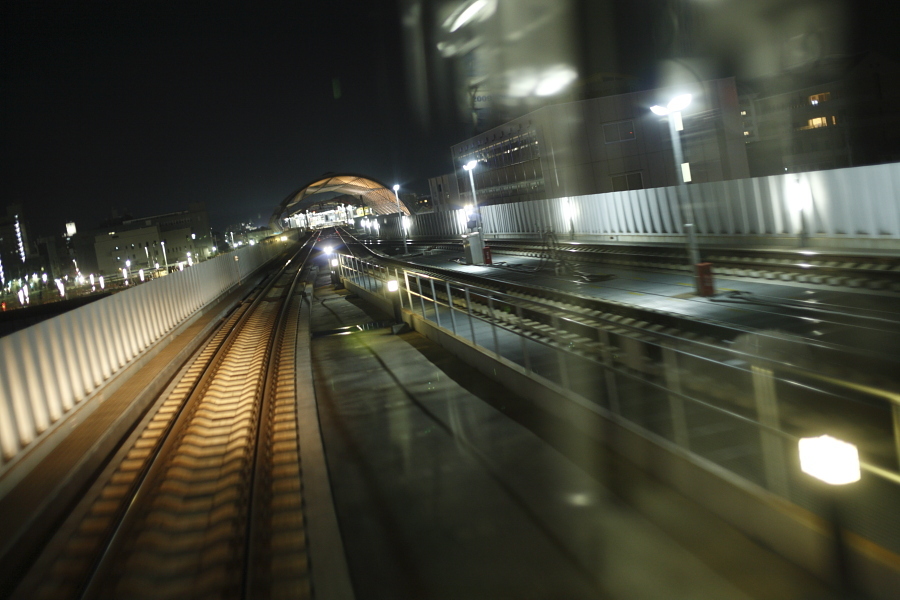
x=98 y=581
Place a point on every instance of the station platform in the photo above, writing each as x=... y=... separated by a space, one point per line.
x=446 y=485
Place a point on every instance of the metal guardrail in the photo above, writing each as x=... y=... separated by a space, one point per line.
x=55 y=367
x=721 y=405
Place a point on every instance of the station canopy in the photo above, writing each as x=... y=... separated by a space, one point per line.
x=344 y=188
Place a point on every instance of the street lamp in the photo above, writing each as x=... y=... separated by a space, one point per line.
x=836 y=463
x=470 y=166
x=673 y=111
x=400 y=218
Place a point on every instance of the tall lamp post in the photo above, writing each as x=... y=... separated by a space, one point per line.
x=470 y=166
x=400 y=218
x=682 y=169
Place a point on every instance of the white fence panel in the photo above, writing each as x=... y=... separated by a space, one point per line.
x=51 y=367
x=859 y=202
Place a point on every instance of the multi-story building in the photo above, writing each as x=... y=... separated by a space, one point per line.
x=606 y=144
x=843 y=113
x=16 y=254
x=444 y=193
x=164 y=240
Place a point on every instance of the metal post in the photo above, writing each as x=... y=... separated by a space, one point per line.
x=450 y=304
x=522 y=337
x=676 y=402
x=772 y=445
x=563 y=369
x=494 y=325
x=421 y=295
x=408 y=289
x=474 y=201
x=609 y=374
x=683 y=196
x=437 y=314
x=469 y=311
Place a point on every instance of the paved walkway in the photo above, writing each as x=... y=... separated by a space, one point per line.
x=440 y=493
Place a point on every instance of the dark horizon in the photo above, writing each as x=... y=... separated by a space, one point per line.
x=144 y=108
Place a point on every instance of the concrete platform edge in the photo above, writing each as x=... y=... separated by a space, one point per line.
x=328 y=562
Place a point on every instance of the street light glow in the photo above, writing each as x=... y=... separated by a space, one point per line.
x=393 y=285
x=829 y=459
x=676 y=104
x=468 y=14
x=396 y=187
x=470 y=165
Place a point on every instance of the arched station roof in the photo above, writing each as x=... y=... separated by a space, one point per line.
x=368 y=192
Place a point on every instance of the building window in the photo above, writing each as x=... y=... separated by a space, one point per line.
x=817 y=122
x=817 y=99
x=627 y=181
x=618 y=132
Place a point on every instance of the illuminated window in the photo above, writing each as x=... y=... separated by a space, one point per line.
x=746 y=133
x=618 y=132
x=743 y=113
x=818 y=122
x=817 y=99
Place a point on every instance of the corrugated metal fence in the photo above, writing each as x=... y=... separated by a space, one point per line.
x=52 y=368
x=859 y=203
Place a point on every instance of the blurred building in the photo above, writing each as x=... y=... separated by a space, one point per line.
x=17 y=257
x=842 y=113
x=444 y=192
x=606 y=144
x=163 y=240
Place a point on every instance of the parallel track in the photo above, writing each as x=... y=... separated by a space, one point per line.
x=811 y=267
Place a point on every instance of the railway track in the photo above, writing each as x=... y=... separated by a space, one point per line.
x=205 y=498
x=810 y=267
x=859 y=385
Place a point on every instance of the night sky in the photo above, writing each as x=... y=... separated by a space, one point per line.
x=145 y=107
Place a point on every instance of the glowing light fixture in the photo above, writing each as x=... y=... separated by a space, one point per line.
x=393 y=285
x=829 y=459
x=468 y=14
x=676 y=104
x=555 y=80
